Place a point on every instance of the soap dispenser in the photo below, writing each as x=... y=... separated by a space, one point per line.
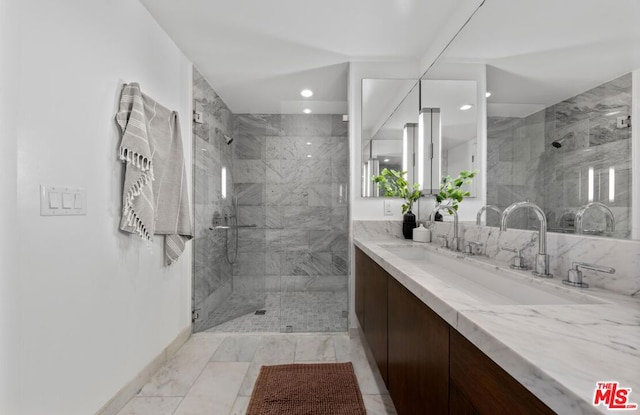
x=421 y=234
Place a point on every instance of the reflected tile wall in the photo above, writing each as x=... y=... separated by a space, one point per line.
x=291 y=173
x=213 y=274
x=523 y=164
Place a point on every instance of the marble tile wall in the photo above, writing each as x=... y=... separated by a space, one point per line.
x=212 y=272
x=523 y=164
x=291 y=174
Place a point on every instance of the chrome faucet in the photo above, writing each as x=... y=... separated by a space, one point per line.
x=486 y=207
x=456 y=241
x=541 y=268
x=574 y=276
x=611 y=221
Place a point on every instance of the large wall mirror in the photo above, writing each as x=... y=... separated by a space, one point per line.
x=563 y=85
x=432 y=131
x=559 y=127
x=388 y=106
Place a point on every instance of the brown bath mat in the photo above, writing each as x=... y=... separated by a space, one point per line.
x=307 y=389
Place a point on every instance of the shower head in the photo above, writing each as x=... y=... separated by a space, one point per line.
x=558 y=143
x=228 y=139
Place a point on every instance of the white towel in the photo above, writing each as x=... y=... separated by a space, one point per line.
x=155 y=199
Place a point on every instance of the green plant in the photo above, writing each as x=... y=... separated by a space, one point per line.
x=451 y=189
x=394 y=184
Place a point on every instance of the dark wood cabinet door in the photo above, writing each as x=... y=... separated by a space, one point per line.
x=375 y=315
x=362 y=270
x=458 y=403
x=486 y=385
x=418 y=363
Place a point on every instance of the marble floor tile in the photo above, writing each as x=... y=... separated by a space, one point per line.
x=240 y=406
x=150 y=406
x=178 y=374
x=225 y=386
x=215 y=390
x=352 y=350
x=315 y=348
x=237 y=349
x=378 y=405
x=273 y=350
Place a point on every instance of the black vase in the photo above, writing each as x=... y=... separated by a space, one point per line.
x=408 y=224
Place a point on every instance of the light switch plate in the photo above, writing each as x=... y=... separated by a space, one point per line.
x=62 y=201
x=67 y=200
x=388 y=209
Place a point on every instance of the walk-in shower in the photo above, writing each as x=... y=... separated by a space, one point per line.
x=271 y=220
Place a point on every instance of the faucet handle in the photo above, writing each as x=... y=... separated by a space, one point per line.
x=574 y=275
x=517 y=262
x=445 y=241
x=471 y=247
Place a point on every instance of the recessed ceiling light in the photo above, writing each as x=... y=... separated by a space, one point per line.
x=307 y=93
x=308 y=143
x=306 y=111
x=466 y=107
x=309 y=155
x=487 y=94
x=386 y=160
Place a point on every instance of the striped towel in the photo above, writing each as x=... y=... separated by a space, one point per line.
x=155 y=199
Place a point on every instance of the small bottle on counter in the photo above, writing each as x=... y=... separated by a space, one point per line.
x=421 y=234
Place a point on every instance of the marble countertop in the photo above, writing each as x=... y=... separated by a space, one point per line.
x=558 y=352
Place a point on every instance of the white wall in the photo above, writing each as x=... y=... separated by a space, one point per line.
x=91 y=305
x=8 y=192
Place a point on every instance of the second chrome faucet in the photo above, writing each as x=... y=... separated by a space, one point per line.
x=541 y=267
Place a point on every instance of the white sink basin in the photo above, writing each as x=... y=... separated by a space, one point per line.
x=491 y=286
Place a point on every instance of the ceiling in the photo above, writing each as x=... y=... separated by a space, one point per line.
x=540 y=52
x=259 y=55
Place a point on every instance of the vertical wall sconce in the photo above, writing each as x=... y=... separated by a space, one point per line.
x=612 y=184
x=591 y=185
x=429 y=150
x=223 y=182
x=408 y=149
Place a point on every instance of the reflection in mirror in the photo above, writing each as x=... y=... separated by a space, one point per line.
x=456 y=126
x=388 y=105
x=559 y=130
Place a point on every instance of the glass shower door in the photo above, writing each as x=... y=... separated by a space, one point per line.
x=221 y=293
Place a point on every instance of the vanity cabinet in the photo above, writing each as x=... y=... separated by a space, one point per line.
x=362 y=269
x=418 y=350
x=428 y=367
x=373 y=314
x=485 y=386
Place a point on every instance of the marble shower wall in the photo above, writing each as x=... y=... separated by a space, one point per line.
x=523 y=164
x=291 y=175
x=212 y=272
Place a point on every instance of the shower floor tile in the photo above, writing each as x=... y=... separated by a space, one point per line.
x=317 y=311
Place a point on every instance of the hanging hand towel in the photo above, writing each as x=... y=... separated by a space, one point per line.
x=155 y=199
